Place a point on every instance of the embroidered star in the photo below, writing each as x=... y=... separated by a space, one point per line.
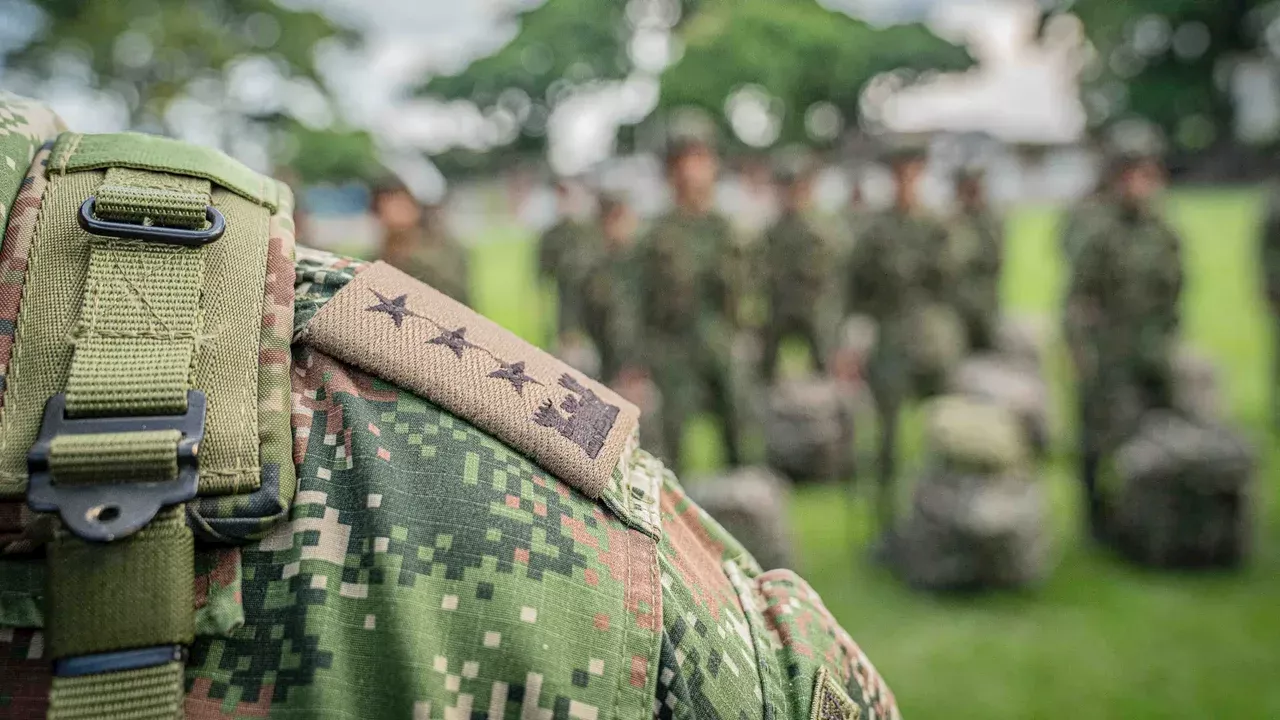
x=455 y=340
x=393 y=307
x=514 y=373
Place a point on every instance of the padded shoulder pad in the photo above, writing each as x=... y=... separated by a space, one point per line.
x=407 y=333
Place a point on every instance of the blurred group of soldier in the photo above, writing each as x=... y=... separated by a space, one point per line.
x=666 y=306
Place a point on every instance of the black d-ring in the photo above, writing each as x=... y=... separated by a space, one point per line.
x=153 y=233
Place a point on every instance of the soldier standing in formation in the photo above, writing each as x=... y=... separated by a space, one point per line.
x=416 y=241
x=687 y=264
x=1122 y=316
x=798 y=269
x=889 y=276
x=608 y=290
x=977 y=236
x=561 y=251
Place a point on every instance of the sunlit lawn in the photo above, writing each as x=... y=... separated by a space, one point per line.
x=1099 y=640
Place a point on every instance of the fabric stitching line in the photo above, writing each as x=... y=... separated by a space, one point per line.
x=624 y=676
x=15 y=363
x=71 y=149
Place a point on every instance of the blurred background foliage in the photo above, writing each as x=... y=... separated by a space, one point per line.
x=770 y=73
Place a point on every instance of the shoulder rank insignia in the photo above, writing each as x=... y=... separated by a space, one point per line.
x=407 y=333
x=830 y=701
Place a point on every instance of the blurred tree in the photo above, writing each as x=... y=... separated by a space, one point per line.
x=801 y=64
x=335 y=154
x=795 y=54
x=154 y=53
x=1172 y=61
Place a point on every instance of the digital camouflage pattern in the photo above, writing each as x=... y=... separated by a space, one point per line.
x=428 y=571
x=686 y=269
x=977 y=237
x=25 y=125
x=799 y=277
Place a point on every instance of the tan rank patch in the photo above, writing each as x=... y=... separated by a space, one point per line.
x=830 y=701
x=407 y=333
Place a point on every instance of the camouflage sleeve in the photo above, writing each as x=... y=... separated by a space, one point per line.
x=735 y=638
x=1082 y=307
x=733 y=261
x=867 y=272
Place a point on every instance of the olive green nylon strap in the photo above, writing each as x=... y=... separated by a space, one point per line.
x=153 y=693
x=133 y=457
x=132 y=593
x=135 y=353
x=140 y=318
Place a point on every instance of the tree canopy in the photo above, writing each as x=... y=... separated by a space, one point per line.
x=1172 y=61
x=794 y=55
x=154 y=54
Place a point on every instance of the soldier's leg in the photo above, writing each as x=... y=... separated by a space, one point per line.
x=1090 y=461
x=812 y=329
x=771 y=343
x=670 y=375
x=717 y=378
x=888 y=409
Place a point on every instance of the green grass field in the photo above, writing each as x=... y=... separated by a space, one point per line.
x=1100 y=639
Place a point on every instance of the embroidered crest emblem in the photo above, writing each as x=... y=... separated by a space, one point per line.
x=830 y=701
x=588 y=421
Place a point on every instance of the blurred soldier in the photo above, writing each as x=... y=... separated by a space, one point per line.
x=893 y=273
x=608 y=297
x=1271 y=283
x=561 y=256
x=398 y=508
x=687 y=263
x=977 y=238
x=798 y=268
x=1122 y=315
x=416 y=241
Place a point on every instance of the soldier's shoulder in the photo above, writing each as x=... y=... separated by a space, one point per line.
x=25 y=125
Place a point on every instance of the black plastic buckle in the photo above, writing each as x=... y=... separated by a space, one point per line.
x=153 y=233
x=102 y=512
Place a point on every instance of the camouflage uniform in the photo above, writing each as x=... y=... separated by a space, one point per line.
x=895 y=270
x=427 y=569
x=1122 y=320
x=434 y=258
x=685 y=269
x=560 y=260
x=798 y=268
x=977 y=236
x=1270 y=257
x=1077 y=223
x=608 y=308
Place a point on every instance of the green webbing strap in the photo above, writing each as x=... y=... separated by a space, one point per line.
x=153 y=693
x=131 y=593
x=141 y=311
x=141 y=197
x=134 y=355
x=132 y=457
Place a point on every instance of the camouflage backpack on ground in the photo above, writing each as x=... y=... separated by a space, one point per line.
x=1185 y=494
x=474 y=531
x=977 y=518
